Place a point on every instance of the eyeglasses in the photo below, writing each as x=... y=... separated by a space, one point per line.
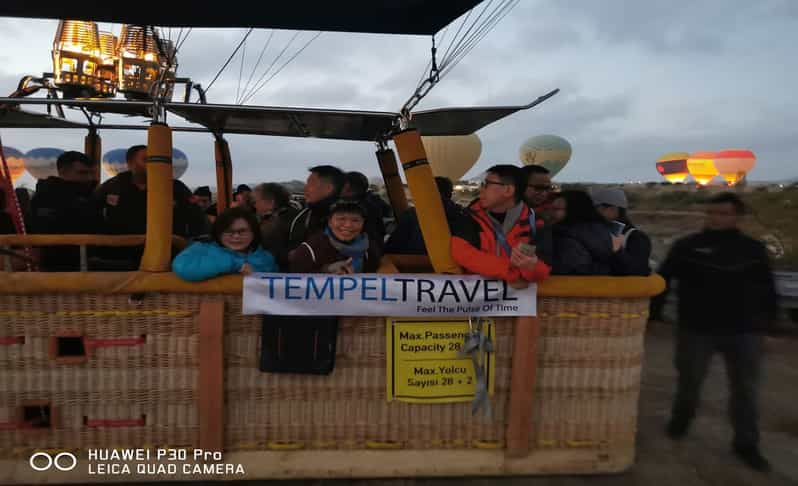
x=540 y=187
x=486 y=183
x=241 y=232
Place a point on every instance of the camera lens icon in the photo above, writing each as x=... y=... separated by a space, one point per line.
x=63 y=461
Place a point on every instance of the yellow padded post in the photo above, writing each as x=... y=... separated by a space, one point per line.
x=158 y=245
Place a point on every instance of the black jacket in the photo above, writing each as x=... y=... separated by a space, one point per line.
x=583 y=248
x=124 y=212
x=633 y=258
x=725 y=283
x=309 y=222
x=407 y=239
x=63 y=207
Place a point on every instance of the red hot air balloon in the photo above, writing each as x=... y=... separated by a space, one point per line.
x=733 y=165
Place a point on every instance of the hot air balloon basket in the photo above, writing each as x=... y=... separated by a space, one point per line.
x=83 y=370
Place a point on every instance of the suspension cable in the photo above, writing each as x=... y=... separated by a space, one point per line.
x=257 y=64
x=224 y=66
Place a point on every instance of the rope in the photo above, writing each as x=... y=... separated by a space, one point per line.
x=283 y=66
x=241 y=69
x=17 y=216
x=266 y=72
x=257 y=64
x=229 y=59
x=477 y=345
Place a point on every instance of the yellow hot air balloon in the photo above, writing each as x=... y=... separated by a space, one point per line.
x=733 y=165
x=549 y=151
x=16 y=163
x=702 y=167
x=673 y=166
x=452 y=156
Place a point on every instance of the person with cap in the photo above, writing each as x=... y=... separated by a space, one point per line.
x=202 y=197
x=242 y=198
x=631 y=246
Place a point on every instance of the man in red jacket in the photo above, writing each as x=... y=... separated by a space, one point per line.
x=497 y=240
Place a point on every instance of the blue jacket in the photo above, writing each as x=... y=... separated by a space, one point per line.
x=202 y=261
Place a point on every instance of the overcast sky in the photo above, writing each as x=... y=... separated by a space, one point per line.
x=638 y=79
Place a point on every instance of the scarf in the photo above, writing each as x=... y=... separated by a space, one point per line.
x=500 y=230
x=355 y=249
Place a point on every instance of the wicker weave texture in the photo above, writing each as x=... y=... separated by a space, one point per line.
x=590 y=356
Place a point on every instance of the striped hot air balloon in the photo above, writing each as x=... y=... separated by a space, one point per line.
x=41 y=162
x=673 y=167
x=702 y=167
x=734 y=164
x=16 y=163
x=549 y=151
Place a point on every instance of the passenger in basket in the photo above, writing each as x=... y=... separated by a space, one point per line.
x=581 y=243
x=632 y=246
x=322 y=190
x=356 y=188
x=497 y=241
x=275 y=213
x=538 y=193
x=342 y=248
x=235 y=249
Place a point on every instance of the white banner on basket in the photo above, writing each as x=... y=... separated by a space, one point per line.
x=402 y=295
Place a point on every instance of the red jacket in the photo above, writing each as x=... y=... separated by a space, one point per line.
x=474 y=248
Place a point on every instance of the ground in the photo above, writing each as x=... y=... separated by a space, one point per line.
x=701 y=459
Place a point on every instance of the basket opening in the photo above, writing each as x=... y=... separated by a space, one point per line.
x=70 y=346
x=37 y=416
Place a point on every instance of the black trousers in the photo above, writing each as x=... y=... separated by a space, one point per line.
x=742 y=354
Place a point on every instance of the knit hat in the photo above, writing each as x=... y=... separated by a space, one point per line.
x=609 y=196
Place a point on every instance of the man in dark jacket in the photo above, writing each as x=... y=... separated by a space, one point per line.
x=64 y=205
x=322 y=190
x=407 y=239
x=123 y=199
x=538 y=192
x=275 y=214
x=356 y=188
x=726 y=299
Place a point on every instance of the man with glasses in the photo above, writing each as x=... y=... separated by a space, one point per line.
x=538 y=192
x=497 y=240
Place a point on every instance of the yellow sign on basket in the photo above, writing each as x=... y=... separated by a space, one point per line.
x=422 y=361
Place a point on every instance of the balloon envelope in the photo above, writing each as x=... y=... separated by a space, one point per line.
x=452 y=156
x=702 y=167
x=41 y=162
x=16 y=163
x=115 y=162
x=673 y=166
x=550 y=151
x=733 y=165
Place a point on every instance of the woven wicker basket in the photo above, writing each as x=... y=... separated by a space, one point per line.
x=589 y=355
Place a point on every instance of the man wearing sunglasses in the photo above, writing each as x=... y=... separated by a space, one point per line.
x=538 y=192
x=497 y=241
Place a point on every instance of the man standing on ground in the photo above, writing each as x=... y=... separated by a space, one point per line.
x=726 y=299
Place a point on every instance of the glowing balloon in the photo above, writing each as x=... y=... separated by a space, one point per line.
x=15 y=161
x=179 y=163
x=702 y=167
x=41 y=162
x=115 y=162
x=733 y=165
x=452 y=156
x=673 y=166
x=549 y=151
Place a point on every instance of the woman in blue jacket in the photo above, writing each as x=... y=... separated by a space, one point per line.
x=235 y=249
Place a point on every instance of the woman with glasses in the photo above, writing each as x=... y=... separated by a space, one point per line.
x=235 y=249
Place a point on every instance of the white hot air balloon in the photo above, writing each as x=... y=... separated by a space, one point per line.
x=41 y=162
x=115 y=162
x=549 y=151
x=452 y=156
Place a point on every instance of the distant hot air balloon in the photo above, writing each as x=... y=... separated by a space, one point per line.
x=15 y=161
x=733 y=165
x=702 y=167
x=452 y=156
x=549 y=151
x=673 y=166
x=115 y=162
x=41 y=162
x=179 y=163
